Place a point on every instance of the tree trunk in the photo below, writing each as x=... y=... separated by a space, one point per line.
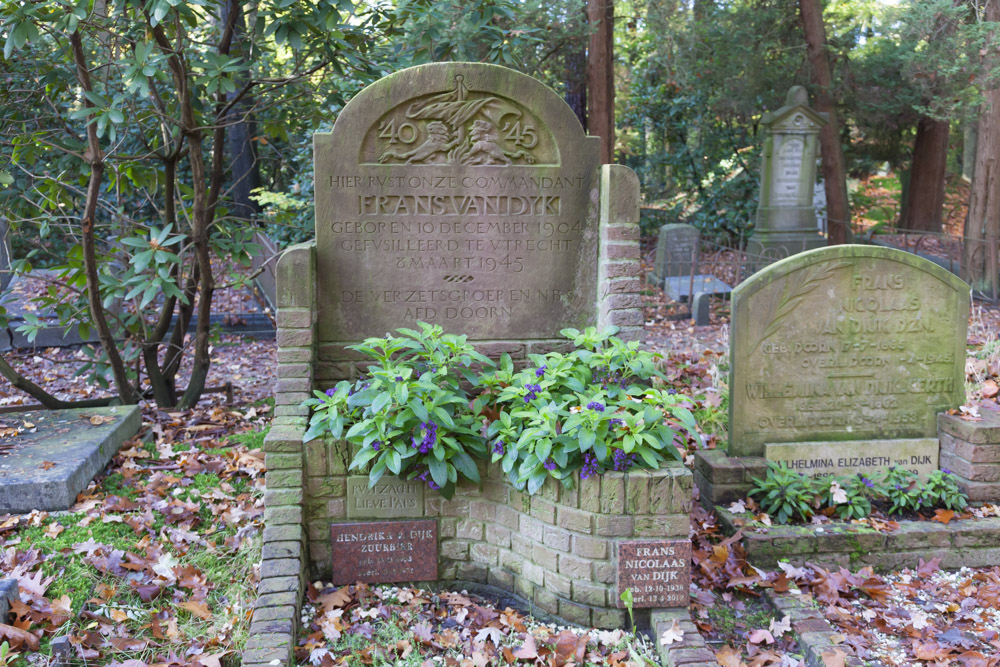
x=5 y=274
x=576 y=84
x=838 y=210
x=969 y=132
x=244 y=168
x=600 y=76
x=923 y=202
x=982 y=224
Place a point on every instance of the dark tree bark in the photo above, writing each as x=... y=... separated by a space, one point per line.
x=982 y=224
x=5 y=274
x=924 y=200
x=243 y=165
x=834 y=168
x=576 y=84
x=600 y=76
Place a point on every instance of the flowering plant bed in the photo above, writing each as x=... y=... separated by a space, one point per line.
x=421 y=412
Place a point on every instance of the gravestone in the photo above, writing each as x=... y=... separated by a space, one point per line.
x=467 y=195
x=842 y=357
x=786 y=217
x=676 y=266
x=658 y=572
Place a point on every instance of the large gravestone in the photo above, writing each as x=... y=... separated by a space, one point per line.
x=464 y=195
x=842 y=357
x=786 y=218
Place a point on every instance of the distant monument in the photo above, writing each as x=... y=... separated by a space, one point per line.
x=786 y=217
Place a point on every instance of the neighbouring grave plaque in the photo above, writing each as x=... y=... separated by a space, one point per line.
x=460 y=194
x=918 y=455
x=380 y=552
x=658 y=572
x=390 y=498
x=846 y=343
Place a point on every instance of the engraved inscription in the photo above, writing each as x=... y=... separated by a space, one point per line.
x=918 y=455
x=390 y=498
x=658 y=572
x=384 y=551
x=788 y=171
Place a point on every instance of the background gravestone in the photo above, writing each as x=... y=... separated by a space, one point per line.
x=676 y=251
x=466 y=195
x=786 y=216
x=846 y=343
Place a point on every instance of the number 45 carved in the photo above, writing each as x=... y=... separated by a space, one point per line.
x=520 y=136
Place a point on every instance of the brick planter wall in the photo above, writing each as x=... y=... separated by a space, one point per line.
x=556 y=549
x=971 y=450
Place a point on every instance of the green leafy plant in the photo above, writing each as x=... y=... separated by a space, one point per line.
x=590 y=410
x=628 y=599
x=901 y=489
x=784 y=493
x=942 y=488
x=857 y=494
x=408 y=415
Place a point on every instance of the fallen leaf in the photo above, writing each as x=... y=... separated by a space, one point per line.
x=943 y=515
x=672 y=634
x=199 y=609
x=834 y=658
x=47 y=465
x=727 y=656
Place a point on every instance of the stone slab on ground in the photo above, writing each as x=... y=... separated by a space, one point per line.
x=8 y=593
x=678 y=288
x=52 y=461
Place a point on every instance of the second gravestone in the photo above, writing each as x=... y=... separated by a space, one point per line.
x=842 y=358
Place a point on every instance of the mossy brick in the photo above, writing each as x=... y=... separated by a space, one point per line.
x=613 y=525
x=265 y=656
x=454 y=549
x=291 y=355
x=608 y=619
x=664 y=525
x=980 y=492
x=283 y=533
x=637 y=494
x=273 y=497
x=559 y=584
x=546 y=600
x=294 y=337
x=315 y=458
x=280 y=599
x=268 y=640
x=301 y=423
x=283 y=626
x=511 y=561
x=812 y=624
x=523 y=587
x=549 y=490
x=842 y=540
x=570 y=497
x=693 y=657
x=590 y=494
x=590 y=594
x=282 y=461
x=546 y=557
x=508 y=518
x=318 y=531
x=289 y=397
x=295 y=318
x=543 y=510
x=321 y=555
x=281 y=550
x=291 y=411
x=458 y=507
x=521 y=545
x=799 y=544
x=682 y=491
x=447 y=527
x=327 y=487
x=914 y=535
x=590 y=547
x=959 y=558
x=500 y=579
x=447 y=570
x=613 y=493
x=290 y=384
x=482 y=510
x=432 y=505
x=286 y=514
x=718 y=467
x=531 y=528
x=975 y=533
x=283 y=439
x=336 y=508
x=519 y=501
x=558 y=538
x=982 y=432
x=495 y=491
x=603 y=572
x=317 y=508
x=498 y=535
x=574 y=613
x=470 y=571
x=573 y=519
x=574 y=567
x=484 y=553
x=274 y=613
x=533 y=572
x=278 y=584
x=469 y=530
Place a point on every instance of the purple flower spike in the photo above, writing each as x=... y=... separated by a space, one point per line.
x=550 y=464
x=331 y=391
x=541 y=371
x=595 y=406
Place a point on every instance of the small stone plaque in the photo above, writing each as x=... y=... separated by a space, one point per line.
x=657 y=571
x=919 y=455
x=390 y=498
x=381 y=552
